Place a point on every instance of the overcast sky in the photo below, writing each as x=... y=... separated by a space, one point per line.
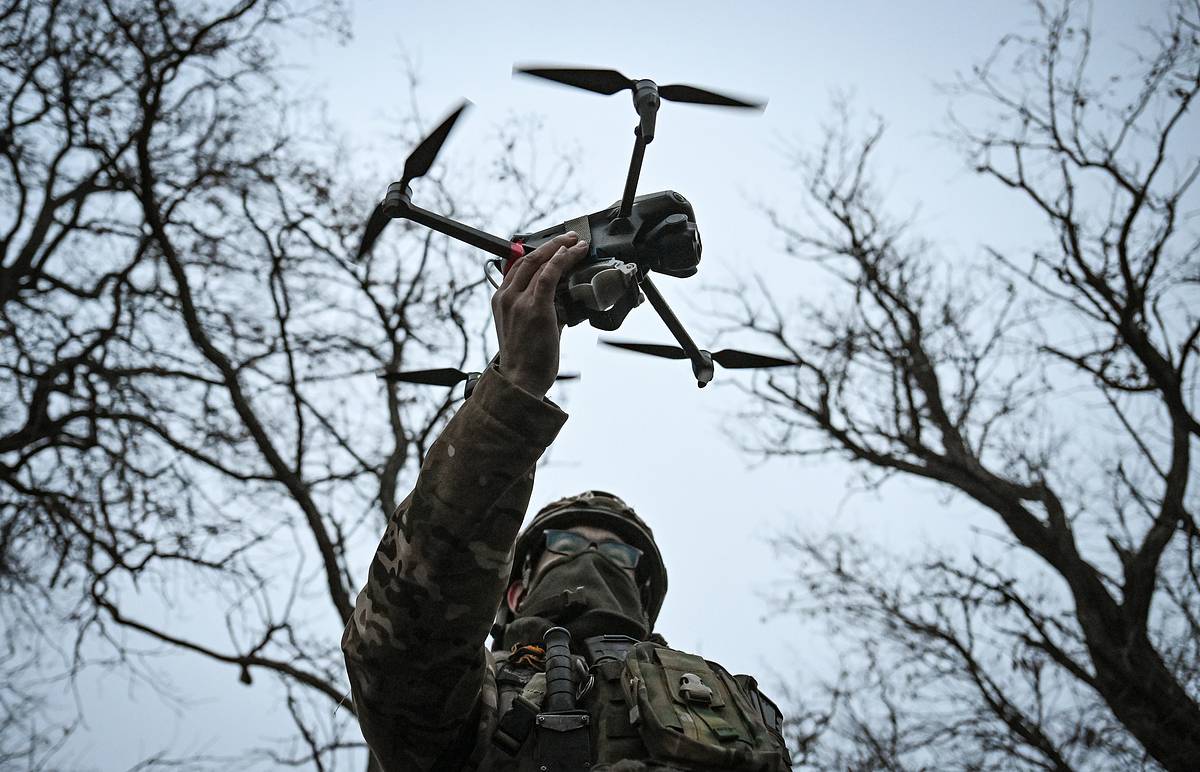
x=639 y=427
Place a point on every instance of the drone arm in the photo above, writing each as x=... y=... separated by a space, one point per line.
x=456 y=230
x=646 y=101
x=702 y=364
x=635 y=171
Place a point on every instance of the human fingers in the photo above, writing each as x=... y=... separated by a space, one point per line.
x=519 y=275
x=548 y=277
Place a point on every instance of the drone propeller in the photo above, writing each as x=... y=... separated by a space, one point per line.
x=445 y=376
x=418 y=163
x=730 y=359
x=423 y=155
x=375 y=225
x=609 y=82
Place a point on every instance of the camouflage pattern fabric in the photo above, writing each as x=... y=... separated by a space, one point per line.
x=422 y=681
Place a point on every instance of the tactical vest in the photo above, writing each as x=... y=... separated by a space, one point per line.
x=641 y=703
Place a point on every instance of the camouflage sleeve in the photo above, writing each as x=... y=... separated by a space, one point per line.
x=414 y=645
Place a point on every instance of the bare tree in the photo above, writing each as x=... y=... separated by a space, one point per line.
x=190 y=411
x=1054 y=388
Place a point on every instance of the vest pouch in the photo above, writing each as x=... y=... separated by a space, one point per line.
x=693 y=713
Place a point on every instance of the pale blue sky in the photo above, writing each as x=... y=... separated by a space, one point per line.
x=640 y=428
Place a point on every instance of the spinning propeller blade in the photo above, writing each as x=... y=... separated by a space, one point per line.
x=375 y=225
x=416 y=165
x=653 y=349
x=732 y=359
x=445 y=376
x=729 y=358
x=423 y=155
x=699 y=96
x=601 y=81
x=609 y=82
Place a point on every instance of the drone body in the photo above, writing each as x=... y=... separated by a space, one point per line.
x=638 y=235
x=659 y=234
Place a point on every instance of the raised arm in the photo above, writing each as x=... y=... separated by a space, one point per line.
x=414 y=646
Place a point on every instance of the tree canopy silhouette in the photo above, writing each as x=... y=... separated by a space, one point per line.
x=1053 y=386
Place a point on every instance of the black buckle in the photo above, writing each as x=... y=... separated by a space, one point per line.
x=605 y=647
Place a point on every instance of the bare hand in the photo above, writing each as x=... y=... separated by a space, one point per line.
x=526 y=322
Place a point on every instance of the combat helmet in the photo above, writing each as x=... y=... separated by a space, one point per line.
x=602 y=510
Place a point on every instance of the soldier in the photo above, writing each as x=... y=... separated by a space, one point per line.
x=579 y=681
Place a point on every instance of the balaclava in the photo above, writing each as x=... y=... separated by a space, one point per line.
x=588 y=594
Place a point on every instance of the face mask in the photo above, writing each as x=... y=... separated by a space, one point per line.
x=588 y=594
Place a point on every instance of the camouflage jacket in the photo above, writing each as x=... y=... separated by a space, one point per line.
x=422 y=680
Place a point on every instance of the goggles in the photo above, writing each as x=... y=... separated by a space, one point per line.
x=570 y=543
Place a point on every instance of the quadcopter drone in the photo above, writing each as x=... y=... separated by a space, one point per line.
x=654 y=232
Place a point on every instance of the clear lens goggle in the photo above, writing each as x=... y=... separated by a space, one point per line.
x=570 y=543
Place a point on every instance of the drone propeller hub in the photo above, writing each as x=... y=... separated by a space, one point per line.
x=646 y=102
x=702 y=368
x=398 y=199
